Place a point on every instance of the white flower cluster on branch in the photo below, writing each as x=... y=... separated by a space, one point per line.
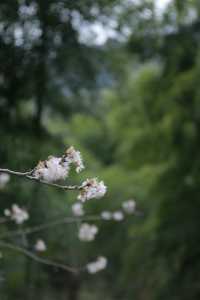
x=40 y=246
x=87 y=232
x=57 y=168
x=118 y=215
x=96 y=266
x=4 y=179
x=129 y=207
x=77 y=209
x=48 y=172
x=17 y=214
x=106 y=215
x=52 y=169
x=92 y=188
x=74 y=157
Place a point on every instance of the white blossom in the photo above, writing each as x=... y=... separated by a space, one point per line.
x=57 y=168
x=91 y=188
x=87 y=232
x=77 y=209
x=106 y=215
x=4 y=179
x=96 y=266
x=129 y=206
x=74 y=156
x=7 y=212
x=52 y=169
x=40 y=246
x=118 y=216
x=17 y=214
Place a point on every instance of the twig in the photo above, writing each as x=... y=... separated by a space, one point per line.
x=64 y=187
x=45 y=226
x=37 y=258
x=4 y=220
x=16 y=172
x=28 y=175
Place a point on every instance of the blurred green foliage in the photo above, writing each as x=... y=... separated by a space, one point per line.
x=132 y=107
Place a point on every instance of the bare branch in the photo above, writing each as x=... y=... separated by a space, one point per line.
x=64 y=187
x=48 y=225
x=7 y=171
x=4 y=220
x=37 y=258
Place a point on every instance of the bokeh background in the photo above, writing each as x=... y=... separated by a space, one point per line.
x=119 y=80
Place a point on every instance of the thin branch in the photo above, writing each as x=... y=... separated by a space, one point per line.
x=15 y=172
x=37 y=258
x=64 y=187
x=4 y=220
x=28 y=175
x=48 y=225
x=53 y=223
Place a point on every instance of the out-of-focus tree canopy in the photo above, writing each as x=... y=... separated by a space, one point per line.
x=42 y=56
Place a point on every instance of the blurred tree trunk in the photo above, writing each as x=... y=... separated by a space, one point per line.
x=41 y=69
x=73 y=288
x=40 y=91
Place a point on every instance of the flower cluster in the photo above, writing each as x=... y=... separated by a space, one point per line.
x=98 y=265
x=40 y=246
x=73 y=156
x=77 y=209
x=92 y=188
x=52 y=169
x=57 y=168
x=87 y=232
x=129 y=206
x=4 y=179
x=116 y=215
x=106 y=215
x=17 y=214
